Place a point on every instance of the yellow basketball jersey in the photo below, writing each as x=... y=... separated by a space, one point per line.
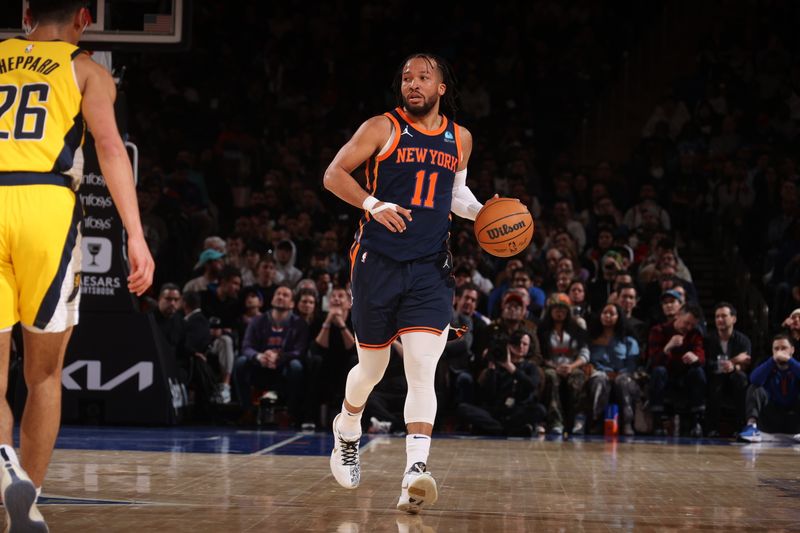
x=41 y=126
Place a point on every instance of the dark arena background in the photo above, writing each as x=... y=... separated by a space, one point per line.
x=656 y=145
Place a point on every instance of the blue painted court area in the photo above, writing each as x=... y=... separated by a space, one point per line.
x=263 y=442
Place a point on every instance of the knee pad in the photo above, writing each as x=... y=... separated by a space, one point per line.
x=421 y=352
x=366 y=374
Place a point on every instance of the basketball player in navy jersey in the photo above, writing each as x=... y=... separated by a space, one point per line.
x=416 y=170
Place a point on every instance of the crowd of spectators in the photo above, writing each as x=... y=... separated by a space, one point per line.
x=600 y=309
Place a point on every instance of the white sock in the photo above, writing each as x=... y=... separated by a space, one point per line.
x=350 y=423
x=38 y=493
x=8 y=452
x=418 y=447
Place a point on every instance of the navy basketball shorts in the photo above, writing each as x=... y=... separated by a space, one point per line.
x=391 y=297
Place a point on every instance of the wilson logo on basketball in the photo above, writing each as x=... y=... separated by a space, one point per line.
x=505 y=229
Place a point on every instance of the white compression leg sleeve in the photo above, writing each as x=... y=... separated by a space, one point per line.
x=421 y=352
x=366 y=374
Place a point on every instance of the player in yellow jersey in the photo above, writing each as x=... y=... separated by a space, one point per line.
x=48 y=87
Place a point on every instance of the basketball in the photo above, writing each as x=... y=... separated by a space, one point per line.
x=504 y=227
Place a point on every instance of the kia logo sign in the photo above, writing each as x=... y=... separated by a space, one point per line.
x=143 y=370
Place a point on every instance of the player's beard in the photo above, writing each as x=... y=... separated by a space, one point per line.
x=422 y=109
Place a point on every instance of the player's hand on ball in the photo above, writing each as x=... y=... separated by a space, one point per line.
x=393 y=218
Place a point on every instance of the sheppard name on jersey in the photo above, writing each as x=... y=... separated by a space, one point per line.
x=35 y=64
x=427 y=155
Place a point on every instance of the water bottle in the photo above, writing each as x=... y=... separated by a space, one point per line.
x=611 y=427
x=721 y=358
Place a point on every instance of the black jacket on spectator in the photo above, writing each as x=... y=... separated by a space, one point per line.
x=226 y=310
x=197 y=335
x=738 y=343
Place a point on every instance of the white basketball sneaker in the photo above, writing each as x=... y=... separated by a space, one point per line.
x=418 y=489
x=345 y=464
x=19 y=499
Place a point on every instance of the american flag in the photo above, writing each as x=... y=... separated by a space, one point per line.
x=158 y=23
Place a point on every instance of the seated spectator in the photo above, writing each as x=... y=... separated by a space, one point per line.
x=564 y=218
x=602 y=213
x=167 y=317
x=671 y=302
x=602 y=243
x=222 y=299
x=773 y=398
x=603 y=284
x=577 y=295
x=791 y=327
x=211 y=261
x=234 y=250
x=727 y=362
x=676 y=357
x=305 y=302
x=521 y=277
x=626 y=297
x=483 y=283
x=663 y=258
x=501 y=284
x=220 y=355
x=253 y=252
x=331 y=355
x=512 y=317
x=508 y=391
x=613 y=355
x=458 y=360
x=252 y=303
x=273 y=350
x=285 y=257
x=329 y=245
x=324 y=283
x=564 y=352
x=266 y=283
x=552 y=257
x=192 y=363
x=648 y=202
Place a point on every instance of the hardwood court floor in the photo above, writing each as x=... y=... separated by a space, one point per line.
x=485 y=485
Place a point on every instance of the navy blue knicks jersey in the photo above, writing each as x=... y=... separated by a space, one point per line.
x=417 y=173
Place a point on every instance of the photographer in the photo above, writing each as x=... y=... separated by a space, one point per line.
x=509 y=405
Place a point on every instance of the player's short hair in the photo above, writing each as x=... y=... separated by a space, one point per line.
x=783 y=336
x=55 y=10
x=729 y=305
x=229 y=272
x=169 y=286
x=466 y=287
x=693 y=310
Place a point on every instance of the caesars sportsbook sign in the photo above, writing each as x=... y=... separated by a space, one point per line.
x=104 y=272
x=116 y=369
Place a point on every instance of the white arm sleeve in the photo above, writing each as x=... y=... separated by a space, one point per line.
x=464 y=203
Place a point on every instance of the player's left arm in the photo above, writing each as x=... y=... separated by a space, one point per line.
x=464 y=203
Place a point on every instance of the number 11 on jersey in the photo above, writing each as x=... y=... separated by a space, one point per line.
x=417 y=199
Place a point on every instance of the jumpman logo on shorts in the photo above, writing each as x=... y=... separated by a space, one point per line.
x=406 y=132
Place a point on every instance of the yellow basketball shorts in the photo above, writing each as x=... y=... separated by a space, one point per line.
x=40 y=258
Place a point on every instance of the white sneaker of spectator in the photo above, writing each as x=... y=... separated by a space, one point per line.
x=223 y=394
